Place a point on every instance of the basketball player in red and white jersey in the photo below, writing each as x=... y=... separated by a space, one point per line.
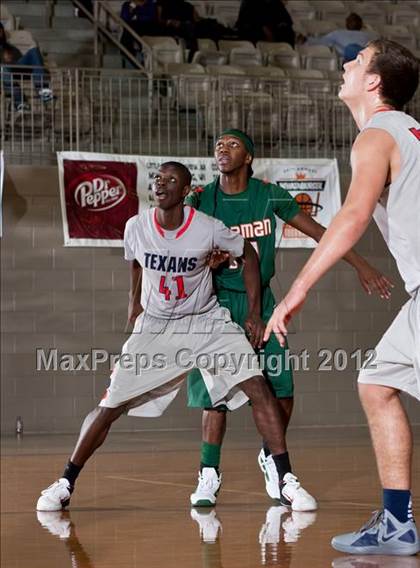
x=181 y=322
x=385 y=184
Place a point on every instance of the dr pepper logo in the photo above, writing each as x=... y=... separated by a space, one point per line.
x=99 y=193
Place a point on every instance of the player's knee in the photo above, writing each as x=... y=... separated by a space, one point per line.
x=108 y=415
x=256 y=389
x=375 y=395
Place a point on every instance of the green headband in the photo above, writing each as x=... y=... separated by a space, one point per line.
x=247 y=141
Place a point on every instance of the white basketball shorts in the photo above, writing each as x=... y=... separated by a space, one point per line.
x=159 y=353
x=397 y=362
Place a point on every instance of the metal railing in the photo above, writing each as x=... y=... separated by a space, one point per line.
x=102 y=19
x=123 y=112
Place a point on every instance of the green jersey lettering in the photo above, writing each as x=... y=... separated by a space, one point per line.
x=250 y=213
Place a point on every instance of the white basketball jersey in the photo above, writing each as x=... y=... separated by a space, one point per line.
x=176 y=280
x=398 y=211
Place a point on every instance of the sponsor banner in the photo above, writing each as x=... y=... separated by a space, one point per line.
x=1 y=190
x=315 y=184
x=100 y=192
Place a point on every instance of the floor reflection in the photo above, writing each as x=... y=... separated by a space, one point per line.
x=59 y=524
x=281 y=529
x=377 y=562
x=131 y=510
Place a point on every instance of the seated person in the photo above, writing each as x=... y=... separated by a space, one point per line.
x=347 y=42
x=11 y=55
x=179 y=18
x=265 y=20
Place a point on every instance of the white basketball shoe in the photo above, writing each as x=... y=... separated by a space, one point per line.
x=55 y=497
x=207 y=489
x=288 y=491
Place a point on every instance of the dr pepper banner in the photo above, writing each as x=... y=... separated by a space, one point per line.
x=100 y=192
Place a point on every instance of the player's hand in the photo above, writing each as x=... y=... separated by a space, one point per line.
x=374 y=281
x=254 y=327
x=217 y=257
x=134 y=310
x=283 y=313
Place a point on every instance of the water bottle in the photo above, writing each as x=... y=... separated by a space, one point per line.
x=19 y=426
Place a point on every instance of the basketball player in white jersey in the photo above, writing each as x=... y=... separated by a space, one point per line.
x=182 y=327
x=385 y=184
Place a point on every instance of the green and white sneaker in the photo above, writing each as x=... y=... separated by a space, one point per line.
x=272 y=482
x=288 y=491
x=207 y=489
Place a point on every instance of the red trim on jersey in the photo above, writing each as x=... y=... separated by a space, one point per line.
x=187 y=223
x=383 y=109
x=157 y=226
x=181 y=231
x=416 y=132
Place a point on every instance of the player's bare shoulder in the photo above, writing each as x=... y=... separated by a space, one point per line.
x=371 y=144
x=376 y=137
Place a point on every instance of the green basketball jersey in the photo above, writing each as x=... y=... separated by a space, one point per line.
x=250 y=213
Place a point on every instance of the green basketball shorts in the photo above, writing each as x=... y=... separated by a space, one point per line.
x=272 y=356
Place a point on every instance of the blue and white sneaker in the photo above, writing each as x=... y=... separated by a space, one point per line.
x=382 y=534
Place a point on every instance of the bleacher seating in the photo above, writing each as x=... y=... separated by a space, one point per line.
x=301 y=10
x=7 y=18
x=403 y=16
x=318 y=27
x=164 y=50
x=285 y=60
x=370 y=12
x=269 y=89
x=400 y=34
x=318 y=57
x=330 y=9
x=245 y=56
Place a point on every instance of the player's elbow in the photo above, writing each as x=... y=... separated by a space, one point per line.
x=355 y=218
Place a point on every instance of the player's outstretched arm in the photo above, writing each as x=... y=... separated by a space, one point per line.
x=134 y=306
x=371 y=279
x=371 y=159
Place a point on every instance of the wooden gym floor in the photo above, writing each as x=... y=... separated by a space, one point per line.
x=131 y=505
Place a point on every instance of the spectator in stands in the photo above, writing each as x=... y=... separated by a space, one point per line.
x=179 y=18
x=347 y=42
x=265 y=20
x=10 y=55
x=142 y=17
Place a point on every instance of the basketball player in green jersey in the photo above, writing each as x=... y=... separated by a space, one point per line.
x=248 y=206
